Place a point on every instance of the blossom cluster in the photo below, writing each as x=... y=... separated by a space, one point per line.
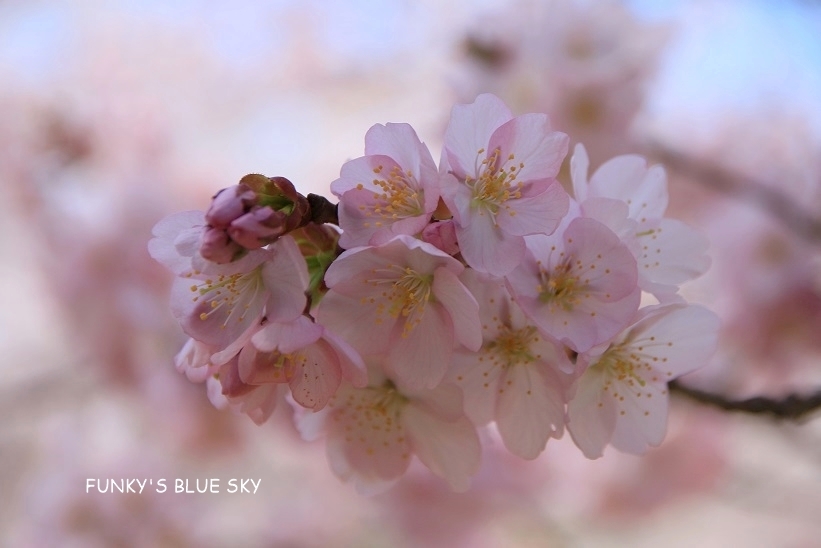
x=447 y=299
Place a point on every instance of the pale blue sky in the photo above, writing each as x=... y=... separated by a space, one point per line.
x=741 y=53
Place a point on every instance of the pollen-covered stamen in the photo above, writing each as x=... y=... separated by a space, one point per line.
x=625 y=369
x=285 y=365
x=228 y=295
x=407 y=296
x=512 y=346
x=372 y=419
x=496 y=183
x=400 y=196
x=560 y=286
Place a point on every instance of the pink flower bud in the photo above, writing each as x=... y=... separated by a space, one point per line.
x=257 y=228
x=228 y=204
x=442 y=235
x=217 y=247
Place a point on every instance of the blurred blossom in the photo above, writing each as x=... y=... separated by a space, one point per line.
x=112 y=117
x=586 y=64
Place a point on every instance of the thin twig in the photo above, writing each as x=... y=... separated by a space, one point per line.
x=794 y=216
x=792 y=407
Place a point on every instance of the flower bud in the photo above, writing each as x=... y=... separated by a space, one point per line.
x=257 y=228
x=251 y=215
x=228 y=204
x=279 y=194
x=218 y=247
x=442 y=234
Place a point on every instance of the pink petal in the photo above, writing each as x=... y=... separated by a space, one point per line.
x=674 y=253
x=469 y=130
x=421 y=357
x=628 y=178
x=479 y=383
x=539 y=214
x=286 y=279
x=355 y=322
x=460 y=305
x=487 y=248
x=532 y=142
x=675 y=339
x=450 y=450
x=579 y=166
x=591 y=415
x=366 y=443
x=184 y=227
x=641 y=419
x=350 y=362
x=316 y=375
x=222 y=323
x=529 y=409
x=257 y=367
x=287 y=337
x=400 y=142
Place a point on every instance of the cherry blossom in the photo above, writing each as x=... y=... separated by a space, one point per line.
x=403 y=301
x=515 y=378
x=497 y=180
x=372 y=433
x=216 y=303
x=479 y=294
x=391 y=190
x=258 y=401
x=579 y=285
x=668 y=251
x=303 y=354
x=621 y=398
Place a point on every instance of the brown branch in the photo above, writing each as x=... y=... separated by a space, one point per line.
x=793 y=215
x=792 y=407
x=322 y=211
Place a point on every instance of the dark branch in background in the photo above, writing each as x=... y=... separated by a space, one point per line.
x=796 y=218
x=793 y=215
x=791 y=407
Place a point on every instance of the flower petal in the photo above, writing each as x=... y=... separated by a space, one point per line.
x=469 y=130
x=316 y=375
x=591 y=414
x=420 y=357
x=460 y=305
x=450 y=449
x=487 y=248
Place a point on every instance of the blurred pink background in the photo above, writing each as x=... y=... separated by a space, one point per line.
x=113 y=116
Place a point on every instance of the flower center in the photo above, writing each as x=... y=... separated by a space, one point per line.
x=512 y=347
x=559 y=287
x=408 y=296
x=226 y=292
x=623 y=367
x=285 y=365
x=399 y=197
x=370 y=418
x=496 y=183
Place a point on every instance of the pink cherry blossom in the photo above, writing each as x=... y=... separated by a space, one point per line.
x=578 y=285
x=621 y=398
x=515 y=378
x=372 y=433
x=497 y=180
x=668 y=251
x=258 y=401
x=404 y=302
x=391 y=190
x=303 y=354
x=194 y=360
x=217 y=304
